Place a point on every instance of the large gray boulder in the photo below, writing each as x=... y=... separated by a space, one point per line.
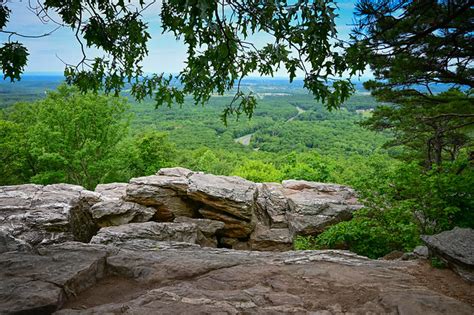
x=155 y=231
x=165 y=193
x=114 y=210
x=75 y=278
x=118 y=212
x=456 y=248
x=174 y=183
x=40 y=283
x=31 y=215
x=232 y=195
x=315 y=206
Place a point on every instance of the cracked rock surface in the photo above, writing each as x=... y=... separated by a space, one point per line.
x=32 y=215
x=77 y=278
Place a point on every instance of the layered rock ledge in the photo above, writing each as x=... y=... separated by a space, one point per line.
x=224 y=211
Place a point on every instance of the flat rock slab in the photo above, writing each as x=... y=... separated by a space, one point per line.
x=39 y=283
x=184 y=280
x=150 y=231
x=456 y=247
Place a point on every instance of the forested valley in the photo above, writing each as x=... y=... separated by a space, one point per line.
x=52 y=133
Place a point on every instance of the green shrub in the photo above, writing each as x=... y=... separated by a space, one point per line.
x=304 y=243
x=437 y=263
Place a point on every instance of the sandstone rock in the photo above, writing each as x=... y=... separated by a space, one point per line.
x=165 y=193
x=118 y=212
x=228 y=194
x=114 y=210
x=206 y=230
x=147 y=195
x=175 y=183
x=207 y=281
x=305 y=207
x=313 y=224
x=206 y=226
x=233 y=227
x=456 y=247
x=112 y=190
x=272 y=205
x=33 y=214
x=315 y=206
x=175 y=172
x=332 y=189
x=70 y=277
x=264 y=238
x=176 y=232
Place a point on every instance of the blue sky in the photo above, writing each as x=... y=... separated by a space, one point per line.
x=166 y=54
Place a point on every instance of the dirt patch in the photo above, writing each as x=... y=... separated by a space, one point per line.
x=444 y=281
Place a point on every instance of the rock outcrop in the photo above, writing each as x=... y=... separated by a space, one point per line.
x=456 y=248
x=78 y=278
x=281 y=211
x=228 y=211
x=315 y=206
x=264 y=216
x=151 y=231
x=32 y=215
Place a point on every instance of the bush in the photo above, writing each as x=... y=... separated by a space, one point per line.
x=372 y=235
x=403 y=204
x=258 y=171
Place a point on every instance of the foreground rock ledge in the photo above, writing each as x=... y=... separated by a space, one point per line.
x=78 y=278
x=456 y=248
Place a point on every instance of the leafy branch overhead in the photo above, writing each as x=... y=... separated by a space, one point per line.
x=301 y=37
x=409 y=43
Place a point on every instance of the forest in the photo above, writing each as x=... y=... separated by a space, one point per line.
x=403 y=140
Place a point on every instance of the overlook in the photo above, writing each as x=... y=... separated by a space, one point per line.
x=236 y=157
x=150 y=245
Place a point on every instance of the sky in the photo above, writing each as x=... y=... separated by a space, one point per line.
x=48 y=54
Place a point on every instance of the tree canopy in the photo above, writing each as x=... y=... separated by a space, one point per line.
x=302 y=37
x=413 y=47
x=417 y=42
